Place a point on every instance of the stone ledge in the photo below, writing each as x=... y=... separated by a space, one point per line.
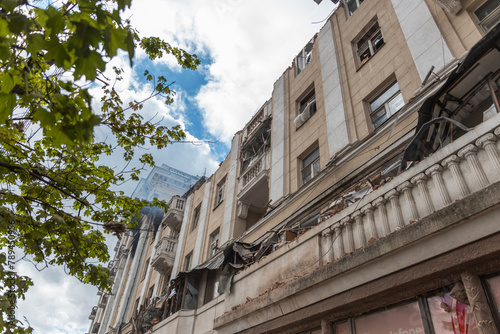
x=452 y=214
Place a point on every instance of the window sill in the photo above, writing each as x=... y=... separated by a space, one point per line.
x=218 y=204
x=366 y=62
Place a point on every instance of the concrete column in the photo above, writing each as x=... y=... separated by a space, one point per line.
x=277 y=182
x=367 y=210
x=380 y=204
x=469 y=152
x=231 y=189
x=123 y=263
x=338 y=239
x=488 y=142
x=202 y=225
x=479 y=304
x=137 y=260
x=149 y=268
x=336 y=121
x=405 y=188
x=358 y=218
x=452 y=162
x=423 y=37
x=347 y=223
x=435 y=173
x=421 y=181
x=393 y=197
x=180 y=245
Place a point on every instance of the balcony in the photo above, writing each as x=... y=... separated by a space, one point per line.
x=164 y=255
x=173 y=217
x=93 y=313
x=253 y=189
x=95 y=328
x=103 y=301
x=447 y=203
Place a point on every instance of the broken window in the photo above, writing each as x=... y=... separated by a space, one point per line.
x=220 y=192
x=254 y=146
x=304 y=57
x=310 y=166
x=196 y=218
x=352 y=5
x=369 y=44
x=191 y=292
x=212 y=285
x=187 y=261
x=488 y=14
x=214 y=242
x=386 y=104
x=306 y=107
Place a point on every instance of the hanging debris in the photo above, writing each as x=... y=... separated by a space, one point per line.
x=117 y=228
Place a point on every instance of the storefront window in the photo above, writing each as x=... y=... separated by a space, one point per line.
x=342 y=328
x=405 y=319
x=494 y=285
x=451 y=316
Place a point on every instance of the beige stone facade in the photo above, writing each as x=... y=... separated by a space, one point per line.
x=363 y=197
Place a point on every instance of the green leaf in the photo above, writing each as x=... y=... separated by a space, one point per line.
x=7 y=104
x=89 y=65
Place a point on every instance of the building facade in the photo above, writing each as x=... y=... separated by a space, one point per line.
x=362 y=197
x=163 y=183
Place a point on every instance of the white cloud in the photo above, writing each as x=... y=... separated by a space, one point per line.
x=251 y=44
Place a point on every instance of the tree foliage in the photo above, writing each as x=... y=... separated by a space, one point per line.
x=53 y=190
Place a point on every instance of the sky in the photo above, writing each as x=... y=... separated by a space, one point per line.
x=244 y=46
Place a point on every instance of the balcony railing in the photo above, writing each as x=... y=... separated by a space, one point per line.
x=164 y=255
x=462 y=168
x=95 y=327
x=173 y=217
x=93 y=313
x=258 y=167
x=104 y=301
x=255 y=122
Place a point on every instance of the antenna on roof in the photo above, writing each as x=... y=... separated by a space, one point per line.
x=205 y=172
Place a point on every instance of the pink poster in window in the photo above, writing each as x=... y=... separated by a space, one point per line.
x=450 y=316
x=405 y=319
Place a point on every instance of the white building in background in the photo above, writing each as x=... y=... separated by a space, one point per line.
x=163 y=183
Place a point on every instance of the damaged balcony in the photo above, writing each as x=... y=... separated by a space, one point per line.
x=93 y=313
x=164 y=255
x=95 y=328
x=255 y=157
x=253 y=194
x=103 y=301
x=173 y=217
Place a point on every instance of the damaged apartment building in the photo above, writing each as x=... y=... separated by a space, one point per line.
x=362 y=197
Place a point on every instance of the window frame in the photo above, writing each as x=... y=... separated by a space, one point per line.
x=187 y=261
x=219 y=194
x=385 y=105
x=196 y=217
x=315 y=162
x=348 y=12
x=368 y=41
x=212 y=250
x=492 y=18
